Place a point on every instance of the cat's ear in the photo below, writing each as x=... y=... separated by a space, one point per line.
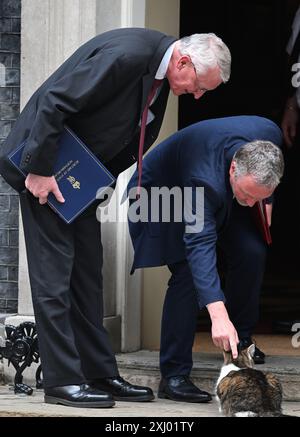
x=227 y=357
x=251 y=351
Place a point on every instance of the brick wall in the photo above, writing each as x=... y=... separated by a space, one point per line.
x=10 y=17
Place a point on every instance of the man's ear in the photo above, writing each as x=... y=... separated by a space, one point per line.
x=183 y=62
x=232 y=168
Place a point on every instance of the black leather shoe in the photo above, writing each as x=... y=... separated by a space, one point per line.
x=180 y=388
x=82 y=396
x=259 y=356
x=122 y=390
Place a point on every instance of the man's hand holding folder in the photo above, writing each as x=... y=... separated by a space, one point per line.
x=77 y=177
x=41 y=186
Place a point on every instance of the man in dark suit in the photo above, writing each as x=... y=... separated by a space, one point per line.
x=100 y=92
x=236 y=162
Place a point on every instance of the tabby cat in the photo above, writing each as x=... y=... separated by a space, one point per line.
x=243 y=391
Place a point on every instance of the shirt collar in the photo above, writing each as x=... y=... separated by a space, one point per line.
x=163 y=66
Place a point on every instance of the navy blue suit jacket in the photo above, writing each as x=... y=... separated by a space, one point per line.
x=197 y=156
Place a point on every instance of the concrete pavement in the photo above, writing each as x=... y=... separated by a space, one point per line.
x=12 y=405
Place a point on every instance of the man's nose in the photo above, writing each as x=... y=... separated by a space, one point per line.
x=198 y=94
x=251 y=203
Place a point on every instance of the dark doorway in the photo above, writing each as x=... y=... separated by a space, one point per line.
x=256 y=31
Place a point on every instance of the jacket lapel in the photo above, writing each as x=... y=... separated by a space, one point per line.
x=148 y=78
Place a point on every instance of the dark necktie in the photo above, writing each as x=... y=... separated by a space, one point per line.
x=260 y=211
x=155 y=86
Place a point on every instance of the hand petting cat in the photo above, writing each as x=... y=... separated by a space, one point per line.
x=223 y=332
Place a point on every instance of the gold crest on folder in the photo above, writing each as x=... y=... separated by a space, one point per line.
x=75 y=184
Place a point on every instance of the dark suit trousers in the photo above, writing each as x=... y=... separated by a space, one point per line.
x=245 y=253
x=65 y=269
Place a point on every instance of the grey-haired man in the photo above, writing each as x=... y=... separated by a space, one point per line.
x=224 y=157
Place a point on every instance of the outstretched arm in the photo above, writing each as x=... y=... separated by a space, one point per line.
x=201 y=255
x=223 y=332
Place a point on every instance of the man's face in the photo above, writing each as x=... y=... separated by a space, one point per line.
x=183 y=79
x=246 y=191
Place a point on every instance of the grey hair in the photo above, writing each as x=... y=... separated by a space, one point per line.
x=262 y=160
x=207 y=51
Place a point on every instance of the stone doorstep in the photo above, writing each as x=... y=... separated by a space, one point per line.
x=142 y=368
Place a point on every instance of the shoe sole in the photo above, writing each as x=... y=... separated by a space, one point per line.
x=101 y=404
x=134 y=398
x=165 y=396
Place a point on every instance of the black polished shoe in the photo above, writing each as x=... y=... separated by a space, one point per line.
x=122 y=390
x=82 y=396
x=259 y=356
x=180 y=388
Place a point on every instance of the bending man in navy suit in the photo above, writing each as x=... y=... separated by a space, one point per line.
x=237 y=162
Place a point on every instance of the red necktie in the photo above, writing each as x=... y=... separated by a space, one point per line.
x=259 y=210
x=155 y=86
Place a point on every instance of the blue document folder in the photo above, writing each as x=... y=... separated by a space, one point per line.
x=79 y=174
